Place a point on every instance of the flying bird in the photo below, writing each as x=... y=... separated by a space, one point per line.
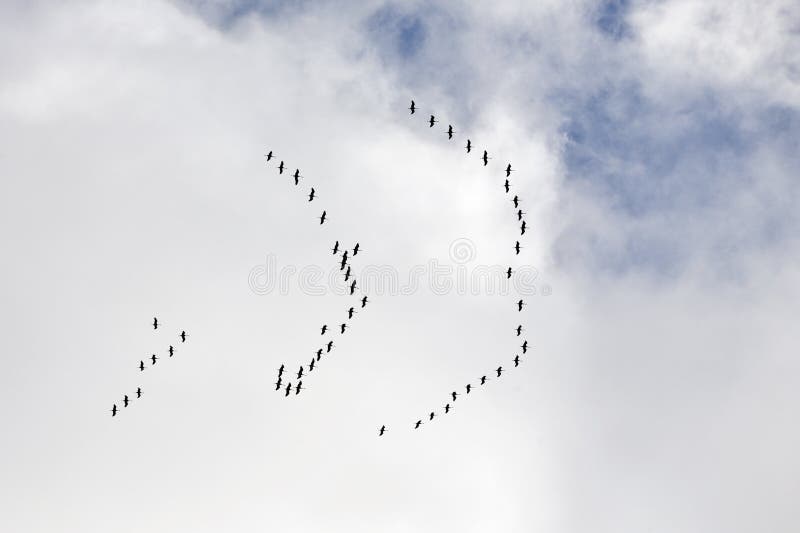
x=155 y=322
x=508 y=170
x=183 y=336
x=517 y=247
x=288 y=389
x=319 y=354
x=125 y=401
x=322 y=217
x=519 y=330
x=350 y=312
x=516 y=201
x=520 y=212
x=324 y=329
x=269 y=155
x=450 y=132
x=486 y=158
x=330 y=346
x=413 y=107
x=347 y=274
x=432 y=121
x=344 y=327
x=516 y=361
x=483 y=380
x=296 y=176
x=278 y=383
x=139 y=392
x=522 y=228
x=447 y=408
x=171 y=350
x=524 y=347
x=499 y=371
x=114 y=410
x=353 y=287
x=418 y=424
x=355 y=249
x=431 y=416
x=508 y=273
x=519 y=305
x=154 y=358
x=311 y=194
x=141 y=366
x=298 y=388
x=469 y=388
x=280 y=168
x=454 y=394
x=468 y=146
x=311 y=365
x=335 y=248
x=300 y=372
x=364 y=302
x=280 y=371
x=507 y=186
x=382 y=431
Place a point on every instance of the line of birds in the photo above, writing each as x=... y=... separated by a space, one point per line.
x=344 y=267
x=520 y=304
x=153 y=358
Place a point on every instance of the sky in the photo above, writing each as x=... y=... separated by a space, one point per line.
x=655 y=149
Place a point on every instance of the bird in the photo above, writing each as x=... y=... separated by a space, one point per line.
x=413 y=107
x=322 y=217
x=524 y=347
x=311 y=365
x=141 y=366
x=519 y=330
x=483 y=380
x=347 y=273
x=522 y=228
x=507 y=186
x=431 y=416
x=516 y=360
x=319 y=354
x=432 y=121
x=508 y=170
x=280 y=168
x=355 y=249
x=154 y=358
x=298 y=388
x=114 y=410
x=447 y=408
x=344 y=327
x=517 y=247
x=364 y=302
x=469 y=388
x=519 y=305
x=520 y=212
x=324 y=329
x=278 y=383
x=300 y=372
x=139 y=392
x=171 y=350
x=288 y=389
x=418 y=424
x=311 y=194
x=125 y=401
x=486 y=158
x=280 y=371
x=155 y=322
x=335 y=248
x=382 y=431
x=269 y=155
x=296 y=176
x=450 y=131
x=183 y=336
x=508 y=273
x=454 y=394
x=330 y=346
x=468 y=146
x=350 y=313
x=499 y=371
x=353 y=287
x=516 y=201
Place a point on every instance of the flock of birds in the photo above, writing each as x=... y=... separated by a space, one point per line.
x=344 y=257
x=126 y=400
x=520 y=304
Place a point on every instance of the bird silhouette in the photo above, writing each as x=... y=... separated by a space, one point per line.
x=522 y=228
x=364 y=302
x=154 y=358
x=141 y=366
x=432 y=121
x=269 y=155
x=524 y=347
x=171 y=350
x=516 y=201
x=454 y=394
x=322 y=217
x=183 y=336
x=335 y=248
x=468 y=146
x=355 y=249
x=344 y=327
x=520 y=212
x=508 y=170
x=280 y=371
x=288 y=389
x=125 y=401
x=516 y=361
x=508 y=273
x=519 y=305
x=413 y=107
x=319 y=354
x=382 y=431
x=350 y=312
x=347 y=274
x=507 y=186
x=431 y=416
x=296 y=176
x=311 y=194
x=517 y=247
x=278 y=383
x=330 y=346
x=469 y=388
x=447 y=408
x=155 y=323
x=483 y=380
x=418 y=424
x=311 y=365
x=324 y=329
x=499 y=371
x=486 y=158
x=114 y=410
x=280 y=168
x=298 y=388
x=353 y=287
x=450 y=131
x=300 y=372
x=139 y=392
x=519 y=330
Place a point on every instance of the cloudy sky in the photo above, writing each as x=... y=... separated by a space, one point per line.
x=655 y=147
